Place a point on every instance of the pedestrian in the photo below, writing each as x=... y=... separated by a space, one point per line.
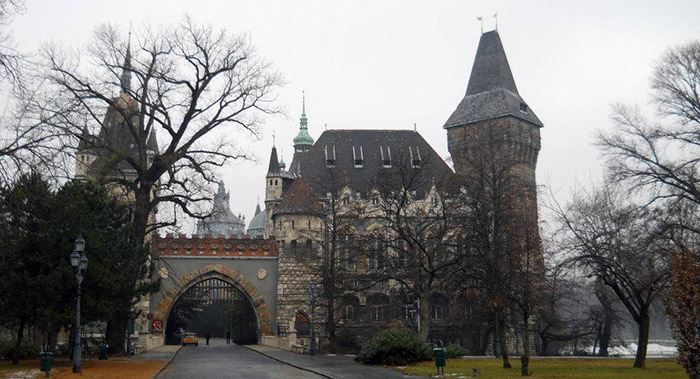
x=228 y=337
x=207 y=336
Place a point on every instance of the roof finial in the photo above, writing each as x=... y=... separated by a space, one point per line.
x=481 y=21
x=325 y=126
x=273 y=137
x=415 y=127
x=495 y=17
x=303 y=103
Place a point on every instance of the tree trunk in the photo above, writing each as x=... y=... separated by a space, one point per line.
x=525 y=358
x=424 y=313
x=643 y=340
x=115 y=334
x=504 y=343
x=605 y=335
x=18 y=342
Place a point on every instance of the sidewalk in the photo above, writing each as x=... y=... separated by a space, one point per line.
x=329 y=366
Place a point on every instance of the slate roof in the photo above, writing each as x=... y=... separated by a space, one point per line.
x=257 y=223
x=491 y=92
x=273 y=169
x=371 y=143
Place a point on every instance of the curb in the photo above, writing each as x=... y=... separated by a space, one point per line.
x=289 y=363
x=167 y=363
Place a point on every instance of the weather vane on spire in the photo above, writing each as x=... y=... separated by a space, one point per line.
x=495 y=17
x=273 y=137
x=481 y=21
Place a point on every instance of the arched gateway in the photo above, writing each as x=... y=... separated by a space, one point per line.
x=239 y=266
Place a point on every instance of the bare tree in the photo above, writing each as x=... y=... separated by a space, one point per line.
x=662 y=158
x=623 y=245
x=421 y=219
x=187 y=88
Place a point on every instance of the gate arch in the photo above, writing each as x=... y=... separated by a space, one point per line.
x=218 y=271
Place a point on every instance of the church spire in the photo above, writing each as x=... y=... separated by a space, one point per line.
x=126 y=73
x=303 y=139
x=274 y=167
x=303 y=121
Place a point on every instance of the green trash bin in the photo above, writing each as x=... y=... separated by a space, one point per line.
x=440 y=357
x=103 y=351
x=46 y=361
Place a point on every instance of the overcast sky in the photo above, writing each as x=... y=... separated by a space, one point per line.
x=390 y=64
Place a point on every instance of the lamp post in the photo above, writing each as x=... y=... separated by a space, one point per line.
x=312 y=348
x=79 y=262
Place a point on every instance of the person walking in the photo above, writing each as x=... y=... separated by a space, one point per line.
x=228 y=337
x=207 y=336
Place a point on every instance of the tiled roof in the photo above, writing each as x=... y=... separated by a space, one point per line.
x=491 y=92
x=299 y=199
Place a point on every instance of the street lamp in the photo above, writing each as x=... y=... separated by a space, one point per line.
x=312 y=348
x=79 y=261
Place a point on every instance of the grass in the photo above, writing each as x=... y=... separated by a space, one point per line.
x=554 y=368
x=110 y=369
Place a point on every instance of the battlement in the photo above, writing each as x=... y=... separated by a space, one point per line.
x=209 y=246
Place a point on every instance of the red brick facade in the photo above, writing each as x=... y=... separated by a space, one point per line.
x=209 y=246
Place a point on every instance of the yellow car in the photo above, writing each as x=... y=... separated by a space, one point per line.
x=190 y=338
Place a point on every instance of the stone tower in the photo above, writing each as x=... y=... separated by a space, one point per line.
x=492 y=102
x=302 y=142
x=273 y=190
x=494 y=130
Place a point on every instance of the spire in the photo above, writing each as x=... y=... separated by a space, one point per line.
x=303 y=122
x=491 y=69
x=126 y=73
x=257 y=208
x=274 y=167
x=303 y=138
x=152 y=142
x=282 y=164
x=491 y=92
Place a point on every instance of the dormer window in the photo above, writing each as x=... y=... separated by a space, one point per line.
x=330 y=159
x=523 y=107
x=358 y=157
x=386 y=156
x=415 y=157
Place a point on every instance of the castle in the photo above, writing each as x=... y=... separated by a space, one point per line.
x=280 y=259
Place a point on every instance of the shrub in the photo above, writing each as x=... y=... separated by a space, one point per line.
x=456 y=351
x=394 y=347
x=26 y=351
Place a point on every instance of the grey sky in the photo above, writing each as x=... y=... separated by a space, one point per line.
x=390 y=64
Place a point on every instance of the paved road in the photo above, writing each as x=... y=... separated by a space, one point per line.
x=219 y=360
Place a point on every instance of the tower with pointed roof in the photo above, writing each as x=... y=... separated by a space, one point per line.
x=492 y=105
x=96 y=155
x=303 y=141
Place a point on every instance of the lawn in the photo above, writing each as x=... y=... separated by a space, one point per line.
x=111 y=369
x=553 y=368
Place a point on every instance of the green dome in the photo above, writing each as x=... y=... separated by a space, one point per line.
x=303 y=138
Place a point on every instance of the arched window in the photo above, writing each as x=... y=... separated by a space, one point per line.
x=302 y=325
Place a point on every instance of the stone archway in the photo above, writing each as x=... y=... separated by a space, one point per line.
x=169 y=297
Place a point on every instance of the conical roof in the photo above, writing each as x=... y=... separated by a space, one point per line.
x=273 y=169
x=491 y=92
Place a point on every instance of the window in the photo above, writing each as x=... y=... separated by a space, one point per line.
x=523 y=107
x=377 y=312
x=293 y=246
x=436 y=311
x=415 y=158
x=309 y=246
x=349 y=312
x=309 y=225
x=292 y=224
x=330 y=158
x=386 y=156
x=345 y=260
x=377 y=253
x=279 y=225
x=358 y=157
